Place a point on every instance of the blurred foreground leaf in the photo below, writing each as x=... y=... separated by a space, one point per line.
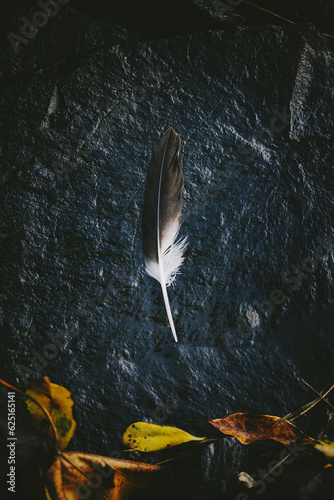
x=83 y=475
x=144 y=436
x=58 y=402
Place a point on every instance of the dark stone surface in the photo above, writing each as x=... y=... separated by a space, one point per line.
x=83 y=104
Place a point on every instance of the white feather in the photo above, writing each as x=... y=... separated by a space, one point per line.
x=164 y=255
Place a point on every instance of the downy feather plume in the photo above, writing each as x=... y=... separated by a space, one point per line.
x=161 y=218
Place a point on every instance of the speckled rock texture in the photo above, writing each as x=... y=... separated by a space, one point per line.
x=83 y=103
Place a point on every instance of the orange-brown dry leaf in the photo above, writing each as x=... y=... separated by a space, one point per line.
x=57 y=400
x=249 y=428
x=83 y=475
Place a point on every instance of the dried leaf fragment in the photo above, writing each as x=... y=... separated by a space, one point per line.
x=245 y=478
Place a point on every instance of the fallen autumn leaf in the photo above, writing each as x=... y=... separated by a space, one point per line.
x=147 y=437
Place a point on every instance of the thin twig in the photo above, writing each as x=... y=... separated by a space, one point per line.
x=318 y=393
x=269 y=12
x=278 y=464
x=277 y=15
x=308 y=406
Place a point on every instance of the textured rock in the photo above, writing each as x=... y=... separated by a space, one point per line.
x=83 y=104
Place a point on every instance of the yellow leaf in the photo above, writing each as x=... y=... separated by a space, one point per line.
x=57 y=400
x=84 y=475
x=325 y=446
x=144 y=436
